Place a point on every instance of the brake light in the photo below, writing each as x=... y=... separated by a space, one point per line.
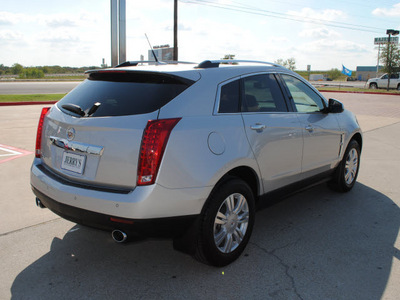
x=155 y=138
x=38 y=148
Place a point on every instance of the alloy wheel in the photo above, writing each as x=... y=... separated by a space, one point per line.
x=231 y=222
x=350 y=169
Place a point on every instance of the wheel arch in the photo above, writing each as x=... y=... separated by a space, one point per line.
x=245 y=173
x=249 y=176
x=358 y=138
x=373 y=84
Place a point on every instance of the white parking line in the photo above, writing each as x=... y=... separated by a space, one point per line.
x=12 y=153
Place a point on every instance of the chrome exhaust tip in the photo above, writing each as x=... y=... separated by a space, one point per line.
x=39 y=203
x=119 y=236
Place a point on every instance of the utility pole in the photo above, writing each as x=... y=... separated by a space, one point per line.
x=389 y=61
x=114 y=32
x=122 y=31
x=377 y=63
x=118 y=32
x=390 y=32
x=175 y=56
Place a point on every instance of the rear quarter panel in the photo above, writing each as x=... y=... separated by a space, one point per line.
x=202 y=149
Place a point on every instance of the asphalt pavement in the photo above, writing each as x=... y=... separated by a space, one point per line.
x=317 y=244
x=35 y=87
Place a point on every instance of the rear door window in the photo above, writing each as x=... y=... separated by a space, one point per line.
x=126 y=93
x=261 y=93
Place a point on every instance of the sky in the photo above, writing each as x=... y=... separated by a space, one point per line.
x=323 y=34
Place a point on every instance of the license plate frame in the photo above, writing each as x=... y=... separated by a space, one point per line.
x=73 y=162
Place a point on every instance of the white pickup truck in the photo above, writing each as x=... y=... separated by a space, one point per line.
x=382 y=82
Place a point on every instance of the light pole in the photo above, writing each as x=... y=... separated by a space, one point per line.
x=175 y=53
x=390 y=32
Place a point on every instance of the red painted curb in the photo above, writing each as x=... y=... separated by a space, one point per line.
x=26 y=103
x=369 y=93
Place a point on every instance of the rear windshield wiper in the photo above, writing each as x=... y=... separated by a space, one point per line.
x=74 y=108
x=93 y=109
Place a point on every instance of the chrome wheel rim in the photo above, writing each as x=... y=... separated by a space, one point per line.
x=350 y=170
x=231 y=223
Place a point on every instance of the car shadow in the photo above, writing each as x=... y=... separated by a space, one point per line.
x=317 y=244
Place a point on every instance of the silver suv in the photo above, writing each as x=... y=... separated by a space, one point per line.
x=189 y=151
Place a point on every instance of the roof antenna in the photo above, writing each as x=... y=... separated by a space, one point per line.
x=154 y=54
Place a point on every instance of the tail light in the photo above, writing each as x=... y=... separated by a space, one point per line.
x=38 y=148
x=155 y=138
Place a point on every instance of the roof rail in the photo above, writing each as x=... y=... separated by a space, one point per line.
x=215 y=63
x=135 y=63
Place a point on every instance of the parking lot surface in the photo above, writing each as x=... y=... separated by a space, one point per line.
x=317 y=244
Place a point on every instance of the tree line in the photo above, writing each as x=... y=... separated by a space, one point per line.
x=40 y=71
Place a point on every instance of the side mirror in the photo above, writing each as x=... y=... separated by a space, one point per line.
x=335 y=106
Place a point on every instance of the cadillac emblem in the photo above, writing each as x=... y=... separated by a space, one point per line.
x=70 y=134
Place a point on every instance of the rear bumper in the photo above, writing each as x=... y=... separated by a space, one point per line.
x=144 y=202
x=157 y=227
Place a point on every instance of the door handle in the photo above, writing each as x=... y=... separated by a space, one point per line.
x=258 y=127
x=309 y=128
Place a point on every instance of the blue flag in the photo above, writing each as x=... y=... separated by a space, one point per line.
x=346 y=71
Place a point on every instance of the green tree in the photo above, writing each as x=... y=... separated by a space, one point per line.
x=32 y=73
x=17 y=69
x=46 y=69
x=289 y=63
x=390 y=58
x=334 y=74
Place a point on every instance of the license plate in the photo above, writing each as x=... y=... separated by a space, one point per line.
x=73 y=162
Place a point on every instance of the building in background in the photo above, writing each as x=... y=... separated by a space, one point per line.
x=163 y=53
x=365 y=72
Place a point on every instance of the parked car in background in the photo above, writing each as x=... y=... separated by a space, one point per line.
x=382 y=82
x=189 y=151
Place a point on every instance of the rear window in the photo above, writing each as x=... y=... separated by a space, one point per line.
x=123 y=93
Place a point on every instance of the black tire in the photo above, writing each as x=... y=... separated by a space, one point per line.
x=346 y=173
x=234 y=230
x=398 y=87
x=373 y=86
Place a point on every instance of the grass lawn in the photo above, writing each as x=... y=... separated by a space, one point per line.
x=31 y=98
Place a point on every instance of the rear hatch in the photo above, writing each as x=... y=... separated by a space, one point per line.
x=93 y=135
